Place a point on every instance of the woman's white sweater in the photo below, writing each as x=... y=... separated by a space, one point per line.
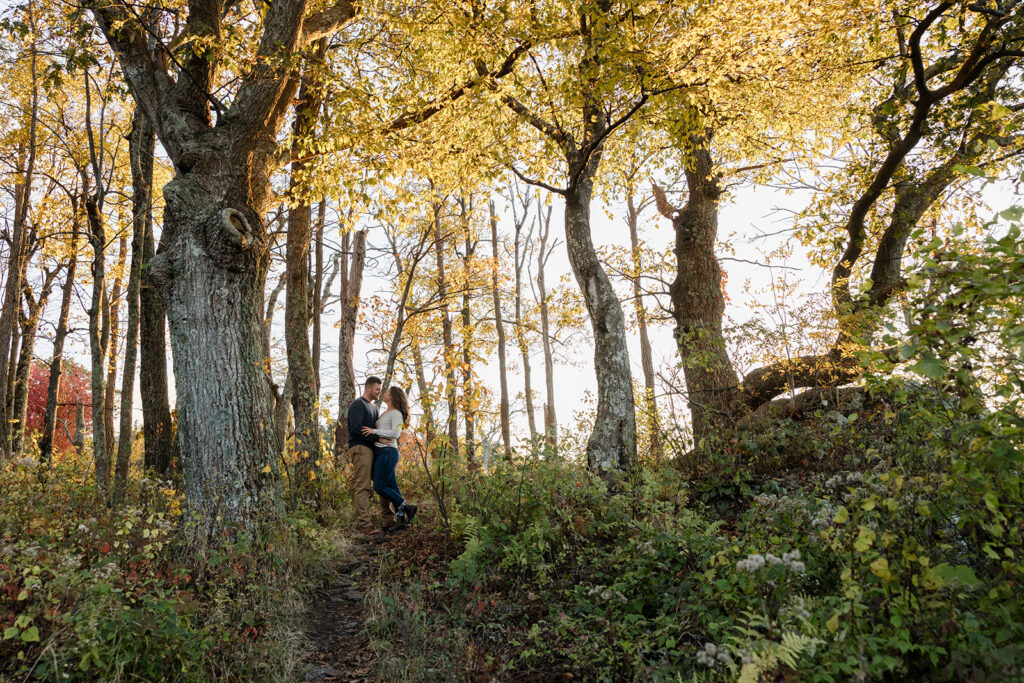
x=389 y=426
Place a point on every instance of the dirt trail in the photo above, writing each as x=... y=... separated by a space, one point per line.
x=340 y=648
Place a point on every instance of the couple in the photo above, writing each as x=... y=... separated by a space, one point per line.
x=373 y=451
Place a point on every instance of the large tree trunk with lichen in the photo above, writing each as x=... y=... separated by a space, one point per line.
x=612 y=444
x=212 y=274
x=698 y=304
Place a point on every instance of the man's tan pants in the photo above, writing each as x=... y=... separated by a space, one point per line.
x=361 y=458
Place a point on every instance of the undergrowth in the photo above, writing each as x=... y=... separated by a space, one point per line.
x=93 y=593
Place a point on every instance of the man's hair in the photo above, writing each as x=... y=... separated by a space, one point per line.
x=372 y=380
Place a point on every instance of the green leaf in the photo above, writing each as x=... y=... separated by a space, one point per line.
x=842 y=515
x=833 y=623
x=10 y=632
x=950 y=575
x=864 y=539
x=1014 y=213
x=991 y=502
x=930 y=367
x=30 y=635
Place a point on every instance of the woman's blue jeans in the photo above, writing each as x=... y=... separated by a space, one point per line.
x=384 y=481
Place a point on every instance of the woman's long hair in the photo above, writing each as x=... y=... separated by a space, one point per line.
x=399 y=401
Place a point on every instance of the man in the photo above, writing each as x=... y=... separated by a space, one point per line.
x=363 y=413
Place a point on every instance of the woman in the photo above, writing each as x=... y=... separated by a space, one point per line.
x=389 y=426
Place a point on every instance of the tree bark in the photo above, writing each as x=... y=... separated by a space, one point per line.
x=214 y=266
x=56 y=364
x=319 y=292
x=112 y=325
x=142 y=222
x=160 y=447
x=612 y=445
x=97 y=238
x=298 y=311
x=12 y=295
x=646 y=355
x=26 y=356
x=16 y=266
x=351 y=285
x=506 y=433
x=213 y=273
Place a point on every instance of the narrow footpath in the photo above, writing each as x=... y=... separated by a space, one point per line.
x=340 y=649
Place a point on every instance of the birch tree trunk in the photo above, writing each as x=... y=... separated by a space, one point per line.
x=612 y=445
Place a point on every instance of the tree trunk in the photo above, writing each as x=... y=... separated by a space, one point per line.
x=426 y=393
x=318 y=292
x=213 y=273
x=520 y=257
x=612 y=445
x=97 y=237
x=297 y=297
x=506 y=433
x=351 y=284
x=142 y=223
x=550 y=418
x=157 y=427
x=448 y=349
x=53 y=382
x=16 y=266
x=79 y=436
x=12 y=377
x=468 y=390
x=113 y=327
x=26 y=356
x=12 y=298
x=698 y=304
x=646 y=357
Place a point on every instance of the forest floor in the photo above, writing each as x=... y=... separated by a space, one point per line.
x=339 y=645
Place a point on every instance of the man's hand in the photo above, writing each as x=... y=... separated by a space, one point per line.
x=386 y=442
